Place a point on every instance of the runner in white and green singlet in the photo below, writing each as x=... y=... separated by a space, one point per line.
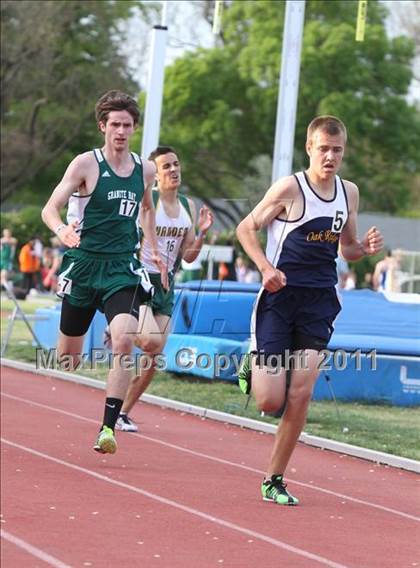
x=176 y=219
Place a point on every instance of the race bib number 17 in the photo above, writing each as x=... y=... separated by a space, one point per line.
x=127 y=207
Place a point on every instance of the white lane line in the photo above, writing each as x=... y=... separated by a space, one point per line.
x=185 y=508
x=225 y=462
x=375 y=456
x=47 y=558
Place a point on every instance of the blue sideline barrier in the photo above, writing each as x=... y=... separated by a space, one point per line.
x=211 y=331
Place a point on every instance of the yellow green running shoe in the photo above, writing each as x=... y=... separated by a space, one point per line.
x=105 y=442
x=274 y=489
x=244 y=374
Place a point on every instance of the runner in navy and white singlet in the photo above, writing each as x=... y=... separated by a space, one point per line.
x=309 y=217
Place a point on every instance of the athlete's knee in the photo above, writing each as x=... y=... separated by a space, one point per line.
x=266 y=402
x=150 y=343
x=300 y=396
x=123 y=343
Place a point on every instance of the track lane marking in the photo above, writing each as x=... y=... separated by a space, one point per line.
x=33 y=550
x=181 y=507
x=223 y=461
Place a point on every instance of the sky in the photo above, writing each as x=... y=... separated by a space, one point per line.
x=182 y=36
x=187 y=31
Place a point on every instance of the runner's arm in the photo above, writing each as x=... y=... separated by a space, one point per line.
x=148 y=221
x=351 y=247
x=192 y=244
x=271 y=205
x=147 y=209
x=72 y=180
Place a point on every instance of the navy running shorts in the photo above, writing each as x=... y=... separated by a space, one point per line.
x=294 y=318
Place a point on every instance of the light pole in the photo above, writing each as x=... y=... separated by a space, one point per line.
x=154 y=90
x=288 y=89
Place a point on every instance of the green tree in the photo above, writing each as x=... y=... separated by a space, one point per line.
x=204 y=110
x=57 y=59
x=220 y=104
x=25 y=224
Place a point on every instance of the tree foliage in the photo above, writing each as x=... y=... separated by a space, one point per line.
x=220 y=104
x=57 y=59
x=26 y=224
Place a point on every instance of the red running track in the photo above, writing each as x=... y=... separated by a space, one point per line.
x=183 y=493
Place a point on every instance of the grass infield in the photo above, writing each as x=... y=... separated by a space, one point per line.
x=385 y=428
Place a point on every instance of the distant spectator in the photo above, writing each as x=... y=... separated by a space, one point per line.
x=223 y=273
x=253 y=276
x=29 y=264
x=227 y=270
x=241 y=269
x=38 y=251
x=351 y=279
x=367 y=281
x=7 y=253
x=58 y=246
x=191 y=270
x=38 y=247
x=50 y=266
x=386 y=277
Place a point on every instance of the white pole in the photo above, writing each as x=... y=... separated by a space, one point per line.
x=154 y=91
x=217 y=18
x=164 y=17
x=288 y=89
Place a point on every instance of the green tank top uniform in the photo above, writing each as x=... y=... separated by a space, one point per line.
x=106 y=260
x=108 y=216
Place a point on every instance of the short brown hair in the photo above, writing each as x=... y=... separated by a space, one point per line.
x=329 y=124
x=116 y=100
x=161 y=151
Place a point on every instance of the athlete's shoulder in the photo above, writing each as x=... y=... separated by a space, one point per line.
x=81 y=166
x=137 y=158
x=352 y=195
x=351 y=189
x=285 y=187
x=188 y=200
x=149 y=171
x=84 y=160
x=189 y=205
x=350 y=186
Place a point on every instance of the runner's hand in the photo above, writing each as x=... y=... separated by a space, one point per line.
x=372 y=242
x=163 y=269
x=273 y=279
x=205 y=219
x=68 y=235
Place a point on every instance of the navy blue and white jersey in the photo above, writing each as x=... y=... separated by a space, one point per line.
x=305 y=249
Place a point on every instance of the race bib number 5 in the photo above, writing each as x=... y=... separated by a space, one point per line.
x=338 y=221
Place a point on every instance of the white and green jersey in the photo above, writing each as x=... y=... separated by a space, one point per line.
x=108 y=216
x=170 y=232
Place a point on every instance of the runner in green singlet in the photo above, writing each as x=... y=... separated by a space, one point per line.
x=105 y=189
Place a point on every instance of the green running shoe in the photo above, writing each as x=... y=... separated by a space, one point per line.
x=274 y=490
x=105 y=442
x=244 y=374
